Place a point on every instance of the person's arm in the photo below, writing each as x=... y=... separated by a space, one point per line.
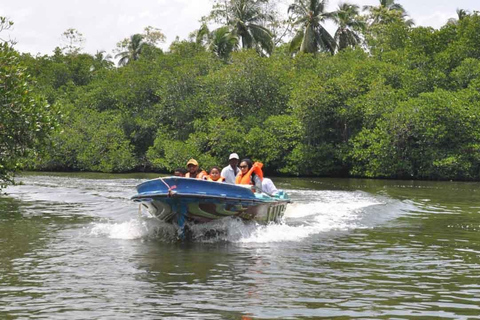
x=268 y=186
x=258 y=183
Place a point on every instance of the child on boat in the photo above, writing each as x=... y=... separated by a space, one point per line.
x=215 y=175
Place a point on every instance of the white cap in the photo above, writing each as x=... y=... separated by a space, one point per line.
x=233 y=156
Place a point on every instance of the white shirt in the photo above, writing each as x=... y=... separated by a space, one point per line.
x=268 y=186
x=229 y=174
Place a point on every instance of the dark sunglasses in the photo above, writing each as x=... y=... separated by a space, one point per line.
x=241 y=167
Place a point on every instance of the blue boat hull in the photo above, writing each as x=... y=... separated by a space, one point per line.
x=179 y=200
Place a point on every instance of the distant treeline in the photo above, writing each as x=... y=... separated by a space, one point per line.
x=402 y=102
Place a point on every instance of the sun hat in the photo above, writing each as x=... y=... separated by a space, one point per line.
x=233 y=156
x=192 y=161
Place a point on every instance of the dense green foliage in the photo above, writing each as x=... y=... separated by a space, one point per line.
x=405 y=105
x=26 y=119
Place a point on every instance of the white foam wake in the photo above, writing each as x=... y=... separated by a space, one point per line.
x=313 y=212
x=139 y=228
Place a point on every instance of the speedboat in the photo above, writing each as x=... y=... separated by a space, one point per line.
x=180 y=201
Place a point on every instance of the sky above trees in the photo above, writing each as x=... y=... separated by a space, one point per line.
x=39 y=24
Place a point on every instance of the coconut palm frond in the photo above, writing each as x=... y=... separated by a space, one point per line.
x=309 y=15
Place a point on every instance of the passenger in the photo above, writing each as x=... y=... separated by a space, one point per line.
x=268 y=187
x=215 y=175
x=230 y=172
x=180 y=172
x=250 y=173
x=194 y=171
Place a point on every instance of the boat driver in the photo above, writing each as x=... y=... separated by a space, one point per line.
x=230 y=172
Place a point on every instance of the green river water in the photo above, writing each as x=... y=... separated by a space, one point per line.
x=74 y=246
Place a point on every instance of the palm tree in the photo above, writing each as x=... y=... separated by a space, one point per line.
x=310 y=36
x=246 y=20
x=349 y=26
x=461 y=14
x=133 y=47
x=386 y=12
x=102 y=60
x=222 y=42
x=202 y=35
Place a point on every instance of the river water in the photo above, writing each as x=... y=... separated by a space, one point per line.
x=73 y=246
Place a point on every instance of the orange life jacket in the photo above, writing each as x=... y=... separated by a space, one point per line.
x=220 y=179
x=247 y=177
x=200 y=175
